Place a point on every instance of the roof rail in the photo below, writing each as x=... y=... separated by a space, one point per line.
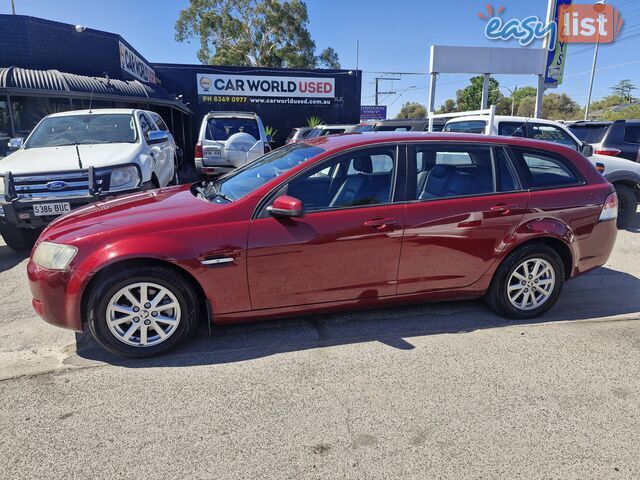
x=491 y=111
x=233 y=113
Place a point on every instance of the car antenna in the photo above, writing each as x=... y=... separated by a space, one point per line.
x=78 y=153
x=91 y=99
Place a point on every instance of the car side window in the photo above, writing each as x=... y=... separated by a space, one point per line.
x=544 y=170
x=551 y=133
x=453 y=171
x=512 y=129
x=160 y=122
x=145 y=124
x=363 y=177
x=506 y=177
x=632 y=134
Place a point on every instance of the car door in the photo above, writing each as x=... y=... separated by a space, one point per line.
x=171 y=144
x=346 y=246
x=158 y=151
x=466 y=201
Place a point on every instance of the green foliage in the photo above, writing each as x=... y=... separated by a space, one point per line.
x=412 y=110
x=314 y=122
x=329 y=59
x=271 y=132
x=267 y=33
x=555 y=106
x=606 y=102
x=448 y=106
x=470 y=98
x=630 y=112
x=623 y=89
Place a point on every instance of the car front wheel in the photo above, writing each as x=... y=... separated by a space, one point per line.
x=142 y=311
x=527 y=283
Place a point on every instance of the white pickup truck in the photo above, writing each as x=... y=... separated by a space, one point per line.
x=623 y=174
x=78 y=157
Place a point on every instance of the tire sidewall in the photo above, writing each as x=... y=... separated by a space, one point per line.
x=500 y=299
x=627 y=197
x=99 y=300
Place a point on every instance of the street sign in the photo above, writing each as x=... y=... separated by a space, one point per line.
x=373 y=112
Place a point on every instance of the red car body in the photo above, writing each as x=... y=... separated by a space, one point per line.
x=441 y=249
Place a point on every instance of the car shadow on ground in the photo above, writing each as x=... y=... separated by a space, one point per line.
x=10 y=258
x=602 y=293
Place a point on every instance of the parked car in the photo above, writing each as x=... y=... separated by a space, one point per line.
x=408 y=125
x=300 y=133
x=624 y=175
x=334 y=223
x=617 y=139
x=228 y=140
x=78 y=157
x=323 y=130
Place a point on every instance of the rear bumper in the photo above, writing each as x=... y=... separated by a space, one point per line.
x=210 y=168
x=594 y=250
x=57 y=295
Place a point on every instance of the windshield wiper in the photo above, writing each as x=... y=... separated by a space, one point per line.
x=218 y=193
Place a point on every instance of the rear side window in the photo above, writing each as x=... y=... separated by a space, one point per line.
x=471 y=126
x=160 y=122
x=544 y=170
x=506 y=178
x=632 y=134
x=512 y=129
x=589 y=133
x=222 y=128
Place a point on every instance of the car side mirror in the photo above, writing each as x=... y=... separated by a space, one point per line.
x=587 y=150
x=15 y=143
x=286 y=206
x=157 y=136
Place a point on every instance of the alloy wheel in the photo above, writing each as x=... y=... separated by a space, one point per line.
x=143 y=314
x=531 y=284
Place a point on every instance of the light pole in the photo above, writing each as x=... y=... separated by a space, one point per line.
x=513 y=100
x=593 y=66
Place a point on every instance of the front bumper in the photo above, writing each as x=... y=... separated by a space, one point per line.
x=57 y=295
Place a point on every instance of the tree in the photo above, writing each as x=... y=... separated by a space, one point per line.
x=554 y=107
x=470 y=98
x=448 y=106
x=329 y=59
x=267 y=33
x=527 y=107
x=412 y=110
x=632 y=111
x=623 y=90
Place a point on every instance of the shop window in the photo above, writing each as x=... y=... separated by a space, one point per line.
x=5 y=126
x=28 y=111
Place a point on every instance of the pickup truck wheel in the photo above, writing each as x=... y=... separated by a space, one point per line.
x=527 y=282
x=142 y=311
x=627 y=204
x=20 y=239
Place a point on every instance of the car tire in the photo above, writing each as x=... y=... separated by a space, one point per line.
x=20 y=239
x=527 y=264
x=627 y=205
x=122 y=326
x=175 y=180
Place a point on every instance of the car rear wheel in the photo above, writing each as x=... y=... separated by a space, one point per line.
x=627 y=205
x=527 y=283
x=20 y=239
x=142 y=311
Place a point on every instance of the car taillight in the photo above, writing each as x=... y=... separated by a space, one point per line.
x=198 y=152
x=610 y=152
x=610 y=208
x=600 y=167
x=267 y=147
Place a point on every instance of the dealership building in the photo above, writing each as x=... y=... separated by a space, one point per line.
x=47 y=66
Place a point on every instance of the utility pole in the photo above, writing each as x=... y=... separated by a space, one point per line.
x=13 y=7
x=593 y=69
x=378 y=93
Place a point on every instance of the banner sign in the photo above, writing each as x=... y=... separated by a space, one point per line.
x=373 y=112
x=134 y=65
x=214 y=87
x=557 y=53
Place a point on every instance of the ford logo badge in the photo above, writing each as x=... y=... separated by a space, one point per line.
x=56 y=185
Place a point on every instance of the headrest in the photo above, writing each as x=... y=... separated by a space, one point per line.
x=441 y=171
x=363 y=164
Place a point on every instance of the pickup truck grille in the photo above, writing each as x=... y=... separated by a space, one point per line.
x=46 y=185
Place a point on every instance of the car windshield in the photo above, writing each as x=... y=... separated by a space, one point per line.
x=222 y=128
x=469 y=126
x=83 y=129
x=245 y=180
x=589 y=133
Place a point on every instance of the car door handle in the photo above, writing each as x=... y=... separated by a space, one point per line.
x=504 y=208
x=380 y=222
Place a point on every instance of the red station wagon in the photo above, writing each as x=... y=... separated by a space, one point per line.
x=333 y=223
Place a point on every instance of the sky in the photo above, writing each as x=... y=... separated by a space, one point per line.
x=394 y=36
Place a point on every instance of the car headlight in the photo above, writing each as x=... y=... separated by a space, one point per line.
x=54 y=256
x=124 y=177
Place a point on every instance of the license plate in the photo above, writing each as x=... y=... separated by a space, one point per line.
x=212 y=153
x=45 y=209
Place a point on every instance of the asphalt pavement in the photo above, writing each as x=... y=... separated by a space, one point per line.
x=445 y=390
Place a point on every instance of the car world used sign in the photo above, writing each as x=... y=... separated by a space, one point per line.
x=220 y=88
x=133 y=64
